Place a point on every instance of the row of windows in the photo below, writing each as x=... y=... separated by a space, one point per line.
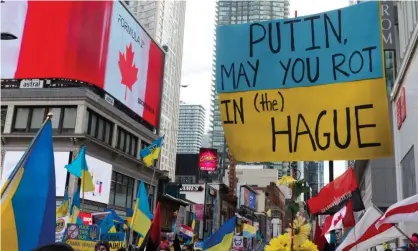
x=30 y=119
x=122 y=192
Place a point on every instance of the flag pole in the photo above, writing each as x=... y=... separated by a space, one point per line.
x=25 y=155
x=82 y=186
x=402 y=232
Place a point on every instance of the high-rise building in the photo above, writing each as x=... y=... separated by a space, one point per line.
x=314 y=175
x=237 y=12
x=164 y=21
x=191 y=128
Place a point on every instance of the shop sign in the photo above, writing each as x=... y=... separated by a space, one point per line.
x=191 y=188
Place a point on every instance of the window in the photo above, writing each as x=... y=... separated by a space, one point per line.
x=30 y=119
x=409 y=186
x=127 y=142
x=99 y=127
x=3 y=117
x=121 y=190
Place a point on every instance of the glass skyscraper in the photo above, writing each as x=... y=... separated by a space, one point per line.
x=238 y=12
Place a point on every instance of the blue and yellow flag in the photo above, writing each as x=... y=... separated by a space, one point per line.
x=75 y=208
x=79 y=168
x=222 y=239
x=248 y=231
x=28 y=200
x=62 y=210
x=129 y=214
x=141 y=220
x=151 y=152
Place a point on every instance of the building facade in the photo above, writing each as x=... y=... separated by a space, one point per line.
x=191 y=128
x=375 y=176
x=313 y=173
x=81 y=117
x=404 y=103
x=237 y=12
x=164 y=21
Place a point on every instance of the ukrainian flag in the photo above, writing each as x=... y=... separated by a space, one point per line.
x=141 y=220
x=28 y=199
x=62 y=210
x=75 y=208
x=79 y=168
x=248 y=231
x=221 y=239
x=151 y=152
x=129 y=214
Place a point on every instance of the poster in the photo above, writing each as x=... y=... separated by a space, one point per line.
x=199 y=211
x=60 y=228
x=101 y=173
x=238 y=243
x=81 y=237
x=86 y=218
x=305 y=88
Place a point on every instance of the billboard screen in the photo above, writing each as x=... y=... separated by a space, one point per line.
x=101 y=173
x=97 y=42
x=208 y=159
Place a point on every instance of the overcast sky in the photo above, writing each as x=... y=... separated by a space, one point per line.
x=198 y=49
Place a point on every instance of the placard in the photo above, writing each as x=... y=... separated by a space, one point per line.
x=307 y=88
x=199 y=211
x=238 y=243
x=61 y=224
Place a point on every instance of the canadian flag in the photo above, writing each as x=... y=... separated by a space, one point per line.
x=365 y=235
x=342 y=219
x=404 y=210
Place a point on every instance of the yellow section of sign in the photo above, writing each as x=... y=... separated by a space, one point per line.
x=325 y=122
x=81 y=245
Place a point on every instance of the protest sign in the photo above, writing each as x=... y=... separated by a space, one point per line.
x=238 y=243
x=307 y=88
x=82 y=237
x=116 y=240
x=60 y=228
x=198 y=245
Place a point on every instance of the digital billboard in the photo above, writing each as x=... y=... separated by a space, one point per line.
x=208 y=159
x=97 y=42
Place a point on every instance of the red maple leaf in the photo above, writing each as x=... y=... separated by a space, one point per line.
x=127 y=68
x=339 y=217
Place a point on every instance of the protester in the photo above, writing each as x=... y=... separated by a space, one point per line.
x=413 y=246
x=102 y=246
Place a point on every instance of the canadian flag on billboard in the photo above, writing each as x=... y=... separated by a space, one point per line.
x=342 y=219
x=62 y=39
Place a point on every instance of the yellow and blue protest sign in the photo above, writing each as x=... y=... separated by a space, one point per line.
x=82 y=237
x=307 y=88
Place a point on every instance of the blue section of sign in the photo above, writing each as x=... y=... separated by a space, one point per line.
x=112 y=237
x=251 y=200
x=331 y=47
x=83 y=232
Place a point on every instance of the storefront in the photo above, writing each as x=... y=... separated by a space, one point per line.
x=404 y=104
